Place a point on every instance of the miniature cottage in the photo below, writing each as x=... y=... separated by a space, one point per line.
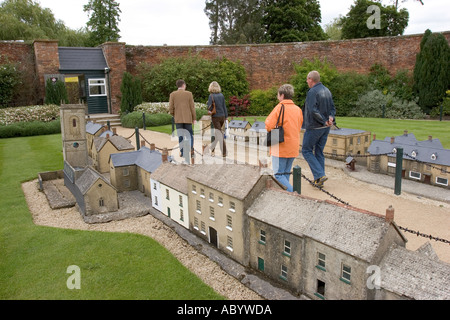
x=104 y=147
x=238 y=129
x=257 y=133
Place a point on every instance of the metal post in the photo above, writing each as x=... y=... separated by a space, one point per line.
x=297 y=179
x=441 y=112
x=108 y=124
x=398 y=171
x=138 y=144
x=143 y=120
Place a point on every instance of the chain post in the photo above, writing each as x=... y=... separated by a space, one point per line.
x=297 y=179
x=398 y=171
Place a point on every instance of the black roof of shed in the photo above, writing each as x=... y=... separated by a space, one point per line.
x=74 y=58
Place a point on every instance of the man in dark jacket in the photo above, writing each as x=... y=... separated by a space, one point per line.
x=318 y=118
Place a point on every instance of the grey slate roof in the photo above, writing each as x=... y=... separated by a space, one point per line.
x=73 y=58
x=238 y=124
x=119 y=142
x=88 y=178
x=346 y=131
x=92 y=127
x=424 y=150
x=236 y=180
x=415 y=275
x=356 y=233
x=173 y=176
x=258 y=126
x=147 y=159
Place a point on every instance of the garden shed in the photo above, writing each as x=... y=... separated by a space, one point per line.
x=86 y=75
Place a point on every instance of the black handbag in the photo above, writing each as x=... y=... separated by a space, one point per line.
x=276 y=135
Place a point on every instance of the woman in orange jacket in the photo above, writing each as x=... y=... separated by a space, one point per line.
x=284 y=153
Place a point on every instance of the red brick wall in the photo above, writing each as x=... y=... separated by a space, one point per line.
x=272 y=64
x=47 y=60
x=116 y=59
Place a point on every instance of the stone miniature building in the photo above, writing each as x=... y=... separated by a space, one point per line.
x=170 y=191
x=238 y=129
x=257 y=134
x=343 y=142
x=425 y=161
x=317 y=248
x=103 y=147
x=219 y=196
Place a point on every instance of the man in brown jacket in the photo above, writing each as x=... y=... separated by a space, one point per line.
x=181 y=107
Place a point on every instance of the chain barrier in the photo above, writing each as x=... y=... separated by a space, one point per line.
x=400 y=227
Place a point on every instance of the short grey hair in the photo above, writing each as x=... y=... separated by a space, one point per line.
x=287 y=90
x=314 y=76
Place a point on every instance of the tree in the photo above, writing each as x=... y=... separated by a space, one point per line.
x=131 y=90
x=356 y=23
x=26 y=20
x=104 y=17
x=233 y=21
x=431 y=76
x=293 y=21
x=55 y=92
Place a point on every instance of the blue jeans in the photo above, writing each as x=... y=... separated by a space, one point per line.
x=185 y=132
x=314 y=142
x=282 y=171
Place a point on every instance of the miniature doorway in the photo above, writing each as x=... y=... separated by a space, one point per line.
x=213 y=237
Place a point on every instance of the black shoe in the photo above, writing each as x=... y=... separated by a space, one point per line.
x=319 y=182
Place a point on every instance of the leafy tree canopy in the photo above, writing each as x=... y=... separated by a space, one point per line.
x=104 y=18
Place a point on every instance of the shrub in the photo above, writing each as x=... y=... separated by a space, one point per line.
x=158 y=81
x=55 y=92
x=135 y=119
x=131 y=90
x=262 y=102
x=239 y=106
x=370 y=105
x=25 y=129
x=162 y=107
x=9 y=81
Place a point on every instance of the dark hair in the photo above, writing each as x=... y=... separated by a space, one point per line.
x=180 y=83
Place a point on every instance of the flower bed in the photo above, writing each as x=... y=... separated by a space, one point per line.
x=45 y=113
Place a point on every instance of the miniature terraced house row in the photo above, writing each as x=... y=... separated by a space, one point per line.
x=425 y=161
x=219 y=196
x=317 y=248
x=169 y=191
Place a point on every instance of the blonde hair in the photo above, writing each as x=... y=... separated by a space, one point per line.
x=214 y=87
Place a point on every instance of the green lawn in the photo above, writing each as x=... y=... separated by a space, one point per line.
x=34 y=259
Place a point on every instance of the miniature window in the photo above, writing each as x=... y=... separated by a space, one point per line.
x=180 y=200
x=101 y=202
x=194 y=189
x=262 y=237
x=321 y=261
x=358 y=140
x=97 y=87
x=154 y=186
x=125 y=172
x=211 y=213
x=229 y=223
x=126 y=183
x=415 y=175
x=229 y=243
x=433 y=156
x=287 y=248
x=442 y=181
x=320 y=289
x=167 y=194
x=74 y=123
x=156 y=200
x=335 y=142
x=181 y=215
x=346 y=273
x=351 y=141
x=199 y=207
x=220 y=202
x=202 y=193
x=203 y=227
x=211 y=197
x=196 y=223
x=284 y=272
x=232 y=206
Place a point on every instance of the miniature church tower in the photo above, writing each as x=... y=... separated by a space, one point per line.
x=73 y=131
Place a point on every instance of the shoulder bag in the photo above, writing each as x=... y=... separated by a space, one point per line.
x=276 y=135
x=212 y=108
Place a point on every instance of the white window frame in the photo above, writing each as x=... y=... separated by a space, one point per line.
x=442 y=184
x=101 y=84
x=413 y=175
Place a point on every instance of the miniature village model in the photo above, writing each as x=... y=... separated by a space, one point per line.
x=316 y=249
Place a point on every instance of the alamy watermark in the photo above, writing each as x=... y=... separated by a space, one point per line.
x=374 y=280
x=374 y=21
x=74 y=281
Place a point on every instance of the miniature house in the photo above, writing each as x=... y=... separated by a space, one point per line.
x=104 y=147
x=238 y=129
x=425 y=161
x=257 y=133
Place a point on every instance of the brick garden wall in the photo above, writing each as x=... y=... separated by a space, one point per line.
x=267 y=65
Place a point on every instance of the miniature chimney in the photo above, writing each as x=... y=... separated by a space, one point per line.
x=430 y=138
x=114 y=130
x=152 y=147
x=165 y=155
x=392 y=140
x=107 y=136
x=405 y=132
x=142 y=143
x=390 y=214
x=374 y=136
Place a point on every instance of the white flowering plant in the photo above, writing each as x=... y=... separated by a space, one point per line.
x=43 y=113
x=161 y=107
